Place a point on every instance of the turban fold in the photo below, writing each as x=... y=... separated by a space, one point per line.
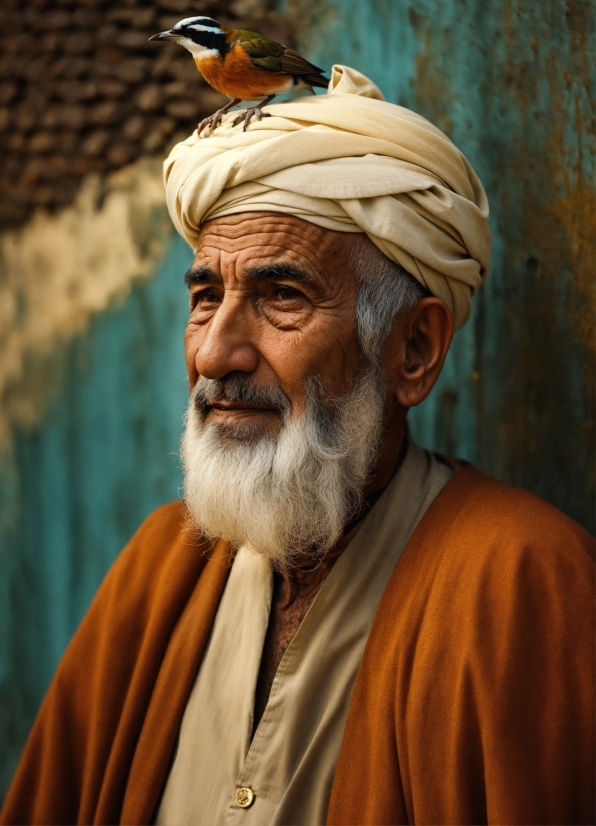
x=349 y=161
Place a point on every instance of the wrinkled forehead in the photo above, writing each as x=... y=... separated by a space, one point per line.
x=253 y=238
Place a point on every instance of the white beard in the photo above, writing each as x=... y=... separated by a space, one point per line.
x=285 y=496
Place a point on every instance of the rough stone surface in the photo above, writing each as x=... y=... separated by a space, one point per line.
x=81 y=89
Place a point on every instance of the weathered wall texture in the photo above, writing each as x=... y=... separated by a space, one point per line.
x=92 y=385
x=116 y=232
x=512 y=82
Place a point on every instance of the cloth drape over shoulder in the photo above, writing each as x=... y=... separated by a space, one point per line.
x=348 y=161
x=474 y=701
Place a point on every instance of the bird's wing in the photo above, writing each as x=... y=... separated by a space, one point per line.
x=271 y=62
x=262 y=51
x=295 y=64
x=273 y=56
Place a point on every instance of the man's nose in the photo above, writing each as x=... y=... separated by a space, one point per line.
x=228 y=344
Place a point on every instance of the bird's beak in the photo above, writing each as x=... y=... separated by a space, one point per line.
x=163 y=36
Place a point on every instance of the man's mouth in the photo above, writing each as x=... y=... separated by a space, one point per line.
x=237 y=400
x=240 y=406
x=224 y=410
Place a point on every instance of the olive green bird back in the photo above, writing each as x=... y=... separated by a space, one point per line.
x=277 y=58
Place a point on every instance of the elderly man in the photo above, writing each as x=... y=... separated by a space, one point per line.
x=336 y=626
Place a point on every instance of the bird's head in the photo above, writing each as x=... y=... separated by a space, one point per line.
x=197 y=34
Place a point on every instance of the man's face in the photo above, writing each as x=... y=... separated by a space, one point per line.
x=272 y=297
x=285 y=415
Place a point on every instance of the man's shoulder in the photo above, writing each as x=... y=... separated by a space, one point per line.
x=150 y=581
x=158 y=535
x=493 y=511
x=482 y=527
x=488 y=558
x=165 y=523
x=163 y=548
x=480 y=662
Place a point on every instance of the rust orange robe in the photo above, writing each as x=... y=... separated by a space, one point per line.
x=474 y=702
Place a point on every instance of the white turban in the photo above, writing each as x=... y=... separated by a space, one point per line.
x=349 y=161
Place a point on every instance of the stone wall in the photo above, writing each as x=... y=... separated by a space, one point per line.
x=82 y=91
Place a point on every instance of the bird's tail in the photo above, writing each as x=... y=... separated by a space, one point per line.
x=317 y=80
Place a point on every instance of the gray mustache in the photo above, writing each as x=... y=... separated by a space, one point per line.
x=240 y=390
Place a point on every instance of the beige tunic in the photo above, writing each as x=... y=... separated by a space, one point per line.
x=290 y=764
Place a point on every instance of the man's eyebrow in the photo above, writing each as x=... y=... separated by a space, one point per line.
x=199 y=275
x=290 y=272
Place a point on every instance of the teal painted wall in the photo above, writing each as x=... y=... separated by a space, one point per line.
x=512 y=82
x=76 y=489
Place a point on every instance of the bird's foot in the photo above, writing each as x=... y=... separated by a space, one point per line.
x=212 y=122
x=249 y=114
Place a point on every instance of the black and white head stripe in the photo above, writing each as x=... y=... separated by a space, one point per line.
x=197 y=24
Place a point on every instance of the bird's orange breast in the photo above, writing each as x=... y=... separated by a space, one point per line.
x=235 y=76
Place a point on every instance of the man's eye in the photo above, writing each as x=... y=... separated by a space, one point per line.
x=283 y=293
x=204 y=297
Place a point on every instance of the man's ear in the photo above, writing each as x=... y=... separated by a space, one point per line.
x=417 y=350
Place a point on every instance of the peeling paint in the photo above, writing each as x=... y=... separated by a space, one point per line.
x=60 y=270
x=577 y=213
x=542 y=348
x=434 y=92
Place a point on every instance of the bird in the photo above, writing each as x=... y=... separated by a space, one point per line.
x=242 y=65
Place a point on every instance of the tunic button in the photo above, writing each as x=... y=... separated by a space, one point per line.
x=245 y=797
